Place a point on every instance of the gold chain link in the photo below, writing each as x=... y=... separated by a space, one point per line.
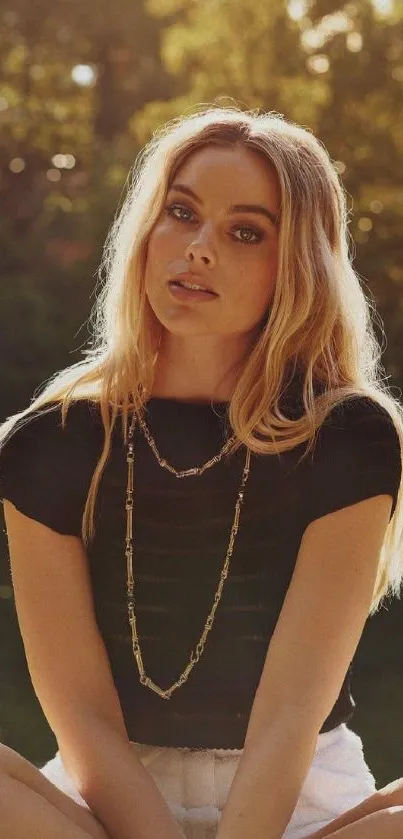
x=184 y=473
x=195 y=656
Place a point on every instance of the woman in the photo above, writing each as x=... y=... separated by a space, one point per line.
x=204 y=511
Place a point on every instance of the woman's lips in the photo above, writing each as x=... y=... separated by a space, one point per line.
x=180 y=292
x=189 y=278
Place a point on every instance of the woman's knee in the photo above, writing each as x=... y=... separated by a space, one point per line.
x=11 y=761
x=14 y=766
x=392 y=794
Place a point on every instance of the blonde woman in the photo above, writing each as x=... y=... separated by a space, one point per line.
x=203 y=512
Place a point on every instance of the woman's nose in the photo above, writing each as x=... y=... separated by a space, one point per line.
x=201 y=250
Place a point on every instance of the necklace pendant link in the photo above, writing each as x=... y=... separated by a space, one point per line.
x=189 y=472
x=162 y=693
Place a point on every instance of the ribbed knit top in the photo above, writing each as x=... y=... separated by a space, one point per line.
x=181 y=532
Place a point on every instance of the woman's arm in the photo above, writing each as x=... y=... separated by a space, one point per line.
x=315 y=639
x=119 y=790
x=268 y=781
x=71 y=676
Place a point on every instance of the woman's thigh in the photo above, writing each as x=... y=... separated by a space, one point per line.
x=18 y=767
x=384 y=824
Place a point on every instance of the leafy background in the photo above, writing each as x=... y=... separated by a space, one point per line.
x=82 y=87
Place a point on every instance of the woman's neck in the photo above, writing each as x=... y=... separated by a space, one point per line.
x=198 y=369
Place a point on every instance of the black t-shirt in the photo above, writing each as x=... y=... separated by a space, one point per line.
x=181 y=533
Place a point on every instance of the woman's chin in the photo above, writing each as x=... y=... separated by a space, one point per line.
x=186 y=324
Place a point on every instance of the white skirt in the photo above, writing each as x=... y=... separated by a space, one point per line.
x=195 y=782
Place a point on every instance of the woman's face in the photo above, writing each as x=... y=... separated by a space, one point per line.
x=229 y=250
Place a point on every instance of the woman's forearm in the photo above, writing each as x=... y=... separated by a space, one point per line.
x=116 y=786
x=268 y=781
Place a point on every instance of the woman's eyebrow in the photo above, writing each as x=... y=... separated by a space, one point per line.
x=235 y=208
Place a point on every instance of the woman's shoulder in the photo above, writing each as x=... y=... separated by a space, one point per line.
x=361 y=415
x=357 y=454
x=46 y=465
x=78 y=411
x=46 y=424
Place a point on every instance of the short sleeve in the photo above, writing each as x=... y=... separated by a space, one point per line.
x=46 y=470
x=356 y=456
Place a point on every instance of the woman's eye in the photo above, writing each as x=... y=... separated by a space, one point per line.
x=251 y=232
x=171 y=210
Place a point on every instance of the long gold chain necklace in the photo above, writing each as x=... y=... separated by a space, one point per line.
x=195 y=655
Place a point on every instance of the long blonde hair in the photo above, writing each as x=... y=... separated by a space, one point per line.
x=319 y=321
